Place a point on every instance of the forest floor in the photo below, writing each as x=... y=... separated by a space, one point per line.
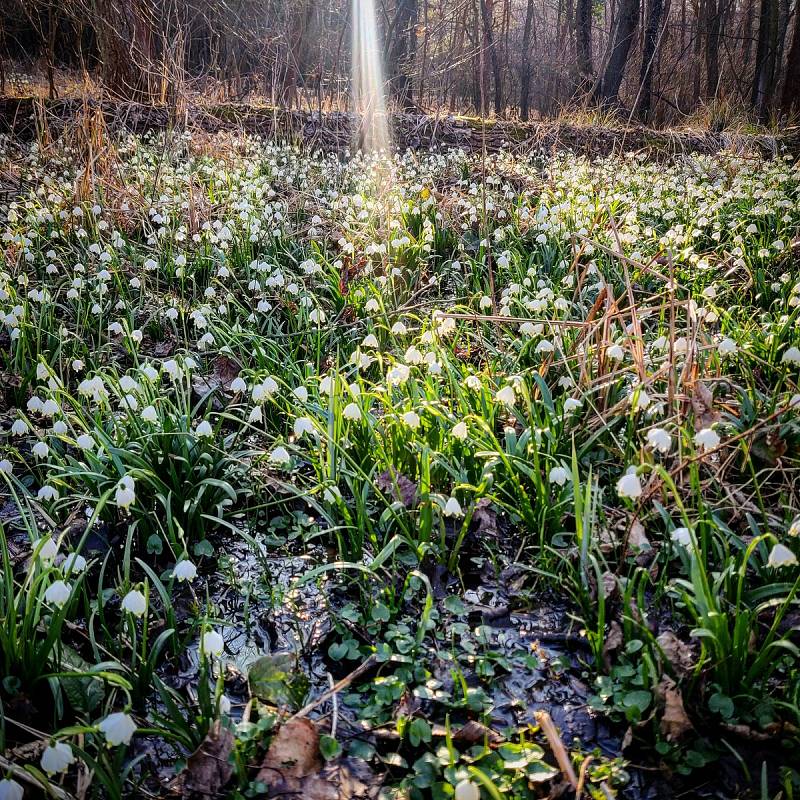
x=441 y=475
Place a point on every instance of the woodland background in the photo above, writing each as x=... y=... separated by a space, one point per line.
x=656 y=61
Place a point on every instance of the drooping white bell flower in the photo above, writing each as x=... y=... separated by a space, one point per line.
x=134 y=603
x=118 y=728
x=56 y=758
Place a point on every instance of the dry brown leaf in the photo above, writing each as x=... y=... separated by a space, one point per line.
x=637 y=538
x=474 y=732
x=675 y=722
x=703 y=406
x=678 y=653
x=208 y=769
x=293 y=767
x=609 y=584
x=612 y=643
x=293 y=753
x=484 y=518
x=399 y=487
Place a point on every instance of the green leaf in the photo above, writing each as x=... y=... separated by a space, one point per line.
x=455 y=605
x=204 y=548
x=154 y=545
x=380 y=613
x=419 y=731
x=640 y=699
x=721 y=704
x=329 y=747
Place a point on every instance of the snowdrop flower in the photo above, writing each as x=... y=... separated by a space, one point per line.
x=398 y=375
x=57 y=593
x=781 y=556
x=74 y=564
x=19 y=427
x=303 y=425
x=545 y=346
x=204 y=429
x=411 y=418
x=331 y=494
x=460 y=430
x=452 y=508
x=300 y=393
x=213 y=643
x=224 y=705
x=467 y=790
x=40 y=450
x=615 y=352
x=473 y=382
x=47 y=550
x=629 y=486
x=47 y=493
x=399 y=329
x=125 y=494
x=794 y=528
x=706 y=439
x=56 y=758
x=370 y=340
x=326 y=385
x=256 y=415
x=134 y=603
x=6 y=466
x=571 y=404
x=642 y=399
x=149 y=414
x=506 y=395
x=791 y=356
x=118 y=728
x=351 y=411
x=184 y=570
x=280 y=456
x=238 y=385
x=558 y=475
x=727 y=347
x=659 y=440
x=10 y=790
x=372 y=306
x=681 y=536
x=86 y=441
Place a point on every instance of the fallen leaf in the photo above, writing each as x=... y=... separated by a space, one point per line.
x=677 y=652
x=293 y=767
x=474 y=732
x=609 y=584
x=397 y=486
x=675 y=722
x=208 y=769
x=612 y=643
x=703 y=406
x=275 y=679
x=484 y=518
x=637 y=538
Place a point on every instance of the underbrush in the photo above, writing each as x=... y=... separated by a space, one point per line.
x=423 y=449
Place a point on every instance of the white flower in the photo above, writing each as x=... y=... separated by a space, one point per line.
x=411 y=418
x=615 y=352
x=118 y=728
x=204 y=429
x=149 y=414
x=629 y=486
x=47 y=492
x=47 y=550
x=791 y=356
x=57 y=593
x=256 y=415
x=659 y=440
x=86 y=441
x=301 y=393
x=224 y=704
x=460 y=430
x=399 y=329
x=727 y=347
x=303 y=425
x=571 y=404
x=10 y=790
x=642 y=399
x=545 y=346
x=706 y=439
x=781 y=556
x=558 y=475
x=467 y=790
x=280 y=456
x=238 y=385
x=40 y=450
x=19 y=427
x=74 y=563
x=213 y=643
x=473 y=382
x=125 y=494
x=134 y=603
x=452 y=508
x=351 y=411
x=398 y=375
x=6 y=466
x=506 y=395
x=56 y=758
x=184 y=570
x=370 y=340
x=681 y=536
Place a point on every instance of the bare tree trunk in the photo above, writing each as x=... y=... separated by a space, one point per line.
x=583 y=39
x=655 y=9
x=487 y=7
x=791 y=86
x=525 y=68
x=624 y=32
x=713 y=13
x=764 y=78
x=404 y=32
